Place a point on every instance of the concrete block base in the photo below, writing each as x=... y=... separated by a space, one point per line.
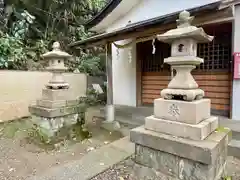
x=161 y=165
x=55 y=94
x=196 y=132
x=182 y=111
x=180 y=158
x=55 y=112
x=56 y=104
x=49 y=126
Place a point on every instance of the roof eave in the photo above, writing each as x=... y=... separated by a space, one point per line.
x=110 y=6
x=166 y=19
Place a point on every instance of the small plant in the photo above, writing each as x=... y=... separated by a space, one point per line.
x=227 y=178
x=224 y=129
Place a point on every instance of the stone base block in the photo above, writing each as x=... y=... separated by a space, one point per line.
x=55 y=94
x=196 y=132
x=56 y=104
x=182 y=111
x=166 y=166
x=203 y=151
x=50 y=126
x=180 y=158
x=55 y=112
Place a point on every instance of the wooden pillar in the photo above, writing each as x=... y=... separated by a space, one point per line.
x=110 y=111
x=139 y=73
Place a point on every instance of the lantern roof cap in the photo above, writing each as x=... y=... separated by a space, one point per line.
x=56 y=52
x=185 y=30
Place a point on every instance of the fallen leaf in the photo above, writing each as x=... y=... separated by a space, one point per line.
x=121 y=178
x=11 y=169
x=106 y=142
x=90 y=149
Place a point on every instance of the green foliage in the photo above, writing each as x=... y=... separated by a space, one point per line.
x=60 y=20
x=93 y=98
x=30 y=24
x=10 y=50
x=14 y=54
x=91 y=64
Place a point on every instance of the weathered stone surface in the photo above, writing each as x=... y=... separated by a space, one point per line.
x=56 y=104
x=164 y=162
x=203 y=151
x=51 y=125
x=182 y=111
x=57 y=112
x=51 y=104
x=196 y=132
x=173 y=166
x=54 y=95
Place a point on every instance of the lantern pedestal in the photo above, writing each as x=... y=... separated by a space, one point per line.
x=168 y=157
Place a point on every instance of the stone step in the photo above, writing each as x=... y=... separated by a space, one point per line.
x=234 y=148
x=131 y=115
x=233 y=125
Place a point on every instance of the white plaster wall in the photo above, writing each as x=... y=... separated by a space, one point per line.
x=147 y=9
x=236 y=82
x=124 y=75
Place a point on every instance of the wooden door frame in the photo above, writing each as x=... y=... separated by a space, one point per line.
x=138 y=76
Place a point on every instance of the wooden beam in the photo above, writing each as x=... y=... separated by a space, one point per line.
x=138 y=75
x=109 y=74
x=224 y=15
x=110 y=107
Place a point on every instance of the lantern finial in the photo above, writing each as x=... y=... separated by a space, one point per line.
x=185 y=19
x=56 y=46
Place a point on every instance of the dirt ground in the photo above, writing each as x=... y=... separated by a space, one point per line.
x=20 y=159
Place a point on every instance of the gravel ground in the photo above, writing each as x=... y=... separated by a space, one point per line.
x=19 y=159
x=124 y=170
x=120 y=171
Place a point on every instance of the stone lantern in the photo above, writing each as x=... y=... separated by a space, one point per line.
x=184 y=58
x=56 y=59
x=181 y=139
x=57 y=108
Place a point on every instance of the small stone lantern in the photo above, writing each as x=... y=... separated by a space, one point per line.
x=56 y=59
x=184 y=58
x=57 y=108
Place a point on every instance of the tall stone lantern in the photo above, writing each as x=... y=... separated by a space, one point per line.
x=181 y=139
x=57 y=108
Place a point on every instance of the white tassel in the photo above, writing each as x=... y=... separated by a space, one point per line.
x=153 y=45
x=117 y=53
x=130 y=55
